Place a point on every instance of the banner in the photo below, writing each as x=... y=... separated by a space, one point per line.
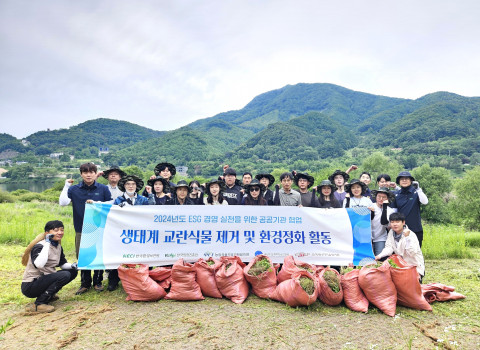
x=161 y=234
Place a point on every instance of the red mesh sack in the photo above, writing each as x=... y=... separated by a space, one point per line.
x=291 y=292
x=378 y=287
x=440 y=292
x=166 y=283
x=206 y=277
x=262 y=284
x=352 y=293
x=162 y=275
x=325 y=293
x=137 y=283
x=184 y=286
x=290 y=266
x=409 y=291
x=230 y=281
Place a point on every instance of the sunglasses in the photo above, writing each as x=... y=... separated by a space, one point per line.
x=255 y=189
x=194 y=188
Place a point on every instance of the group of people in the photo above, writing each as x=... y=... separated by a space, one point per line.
x=394 y=206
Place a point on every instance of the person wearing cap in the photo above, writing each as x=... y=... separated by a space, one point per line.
x=130 y=185
x=41 y=280
x=379 y=221
x=253 y=193
x=181 y=191
x=113 y=175
x=156 y=189
x=402 y=242
x=87 y=191
x=266 y=180
x=196 y=192
x=286 y=196
x=214 y=190
x=408 y=200
x=304 y=182
x=233 y=192
x=355 y=196
x=326 y=198
x=339 y=178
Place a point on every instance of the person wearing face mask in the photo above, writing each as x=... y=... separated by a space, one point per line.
x=130 y=185
x=254 y=194
x=408 y=200
x=266 y=180
x=41 y=280
x=214 y=190
x=156 y=189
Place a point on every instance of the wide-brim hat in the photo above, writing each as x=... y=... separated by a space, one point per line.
x=338 y=172
x=404 y=174
x=182 y=183
x=356 y=182
x=390 y=195
x=114 y=168
x=123 y=180
x=309 y=178
x=220 y=183
x=165 y=182
x=327 y=183
x=170 y=167
x=271 y=179
x=254 y=183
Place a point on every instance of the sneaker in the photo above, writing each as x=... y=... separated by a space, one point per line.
x=98 y=287
x=112 y=286
x=30 y=308
x=41 y=308
x=82 y=290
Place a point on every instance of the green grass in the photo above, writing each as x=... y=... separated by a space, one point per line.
x=448 y=241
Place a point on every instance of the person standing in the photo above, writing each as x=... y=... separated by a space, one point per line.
x=326 y=198
x=87 y=191
x=130 y=185
x=180 y=197
x=339 y=178
x=408 y=200
x=113 y=175
x=233 y=192
x=41 y=280
x=304 y=182
x=286 y=196
x=156 y=189
x=379 y=221
x=254 y=194
x=214 y=190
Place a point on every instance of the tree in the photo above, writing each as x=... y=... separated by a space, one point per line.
x=436 y=184
x=466 y=203
x=377 y=163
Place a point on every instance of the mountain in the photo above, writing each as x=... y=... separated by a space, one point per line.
x=9 y=142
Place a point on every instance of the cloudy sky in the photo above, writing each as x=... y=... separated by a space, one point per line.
x=163 y=64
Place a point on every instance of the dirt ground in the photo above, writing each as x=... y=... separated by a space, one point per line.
x=221 y=324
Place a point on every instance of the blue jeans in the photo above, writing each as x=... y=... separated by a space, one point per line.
x=378 y=247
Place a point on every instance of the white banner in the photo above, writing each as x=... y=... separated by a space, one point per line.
x=161 y=234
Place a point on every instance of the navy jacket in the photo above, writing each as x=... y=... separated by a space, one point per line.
x=408 y=203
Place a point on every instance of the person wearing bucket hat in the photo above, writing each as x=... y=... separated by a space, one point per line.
x=180 y=194
x=165 y=170
x=339 y=178
x=113 y=175
x=326 y=198
x=355 y=196
x=233 y=192
x=130 y=185
x=214 y=190
x=254 y=194
x=156 y=189
x=304 y=182
x=383 y=197
x=408 y=200
x=266 y=180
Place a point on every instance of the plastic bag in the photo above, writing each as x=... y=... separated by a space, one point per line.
x=184 y=286
x=292 y=293
x=440 y=292
x=290 y=266
x=352 y=293
x=162 y=275
x=137 y=283
x=378 y=287
x=266 y=282
x=230 y=279
x=325 y=293
x=206 y=277
x=409 y=291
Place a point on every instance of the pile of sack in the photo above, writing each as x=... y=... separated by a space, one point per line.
x=297 y=283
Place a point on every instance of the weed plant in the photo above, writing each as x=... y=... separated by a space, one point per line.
x=447 y=241
x=307 y=284
x=260 y=267
x=332 y=280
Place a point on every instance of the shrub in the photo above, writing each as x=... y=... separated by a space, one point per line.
x=465 y=206
x=6 y=197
